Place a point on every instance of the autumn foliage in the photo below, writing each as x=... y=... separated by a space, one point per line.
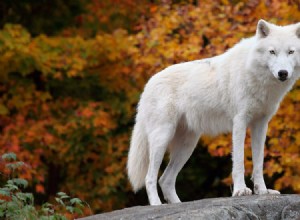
x=67 y=101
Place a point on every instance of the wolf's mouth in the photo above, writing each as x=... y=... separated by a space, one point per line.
x=282 y=79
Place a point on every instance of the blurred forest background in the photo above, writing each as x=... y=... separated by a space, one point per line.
x=71 y=75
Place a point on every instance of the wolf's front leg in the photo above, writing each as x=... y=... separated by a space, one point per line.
x=238 y=170
x=258 y=132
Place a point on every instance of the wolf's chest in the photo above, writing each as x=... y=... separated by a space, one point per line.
x=263 y=102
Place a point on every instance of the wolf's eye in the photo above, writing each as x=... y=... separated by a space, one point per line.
x=272 y=52
x=291 y=51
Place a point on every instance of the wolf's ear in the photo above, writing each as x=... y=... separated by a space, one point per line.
x=263 y=29
x=298 y=30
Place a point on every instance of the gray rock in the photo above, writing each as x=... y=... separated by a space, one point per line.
x=271 y=207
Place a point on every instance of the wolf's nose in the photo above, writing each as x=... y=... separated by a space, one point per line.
x=282 y=74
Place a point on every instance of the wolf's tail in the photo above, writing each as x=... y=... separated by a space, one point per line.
x=138 y=158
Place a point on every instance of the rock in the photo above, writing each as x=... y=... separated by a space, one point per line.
x=273 y=207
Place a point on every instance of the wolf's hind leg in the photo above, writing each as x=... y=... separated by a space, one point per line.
x=159 y=139
x=182 y=147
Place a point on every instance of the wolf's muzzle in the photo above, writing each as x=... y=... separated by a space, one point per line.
x=282 y=75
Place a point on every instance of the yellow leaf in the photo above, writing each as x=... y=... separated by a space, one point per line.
x=3 y=110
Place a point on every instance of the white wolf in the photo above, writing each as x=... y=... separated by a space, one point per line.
x=239 y=89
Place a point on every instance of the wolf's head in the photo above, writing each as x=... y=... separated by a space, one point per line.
x=278 y=49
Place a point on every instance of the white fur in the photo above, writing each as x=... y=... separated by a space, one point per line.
x=230 y=92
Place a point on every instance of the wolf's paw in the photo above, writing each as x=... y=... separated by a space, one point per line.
x=242 y=192
x=272 y=191
x=265 y=191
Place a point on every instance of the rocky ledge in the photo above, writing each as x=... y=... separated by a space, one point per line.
x=271 y=207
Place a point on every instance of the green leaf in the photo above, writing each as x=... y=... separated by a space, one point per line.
x=20 y=182
x=70 y=209
x=65 y=197
x=76 y=201
x=57 y=217
x=19 y=164
x=47 y=204
x=9 y=157
x=61 y=194
x=4 y=192
x=11 y=186
x=47 y=208
x=25 y=197
x=13 y=166
x=2 y=212
x=78 y=210
x=58 y=200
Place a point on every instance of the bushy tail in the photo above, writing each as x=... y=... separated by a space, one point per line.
x=138 y=159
